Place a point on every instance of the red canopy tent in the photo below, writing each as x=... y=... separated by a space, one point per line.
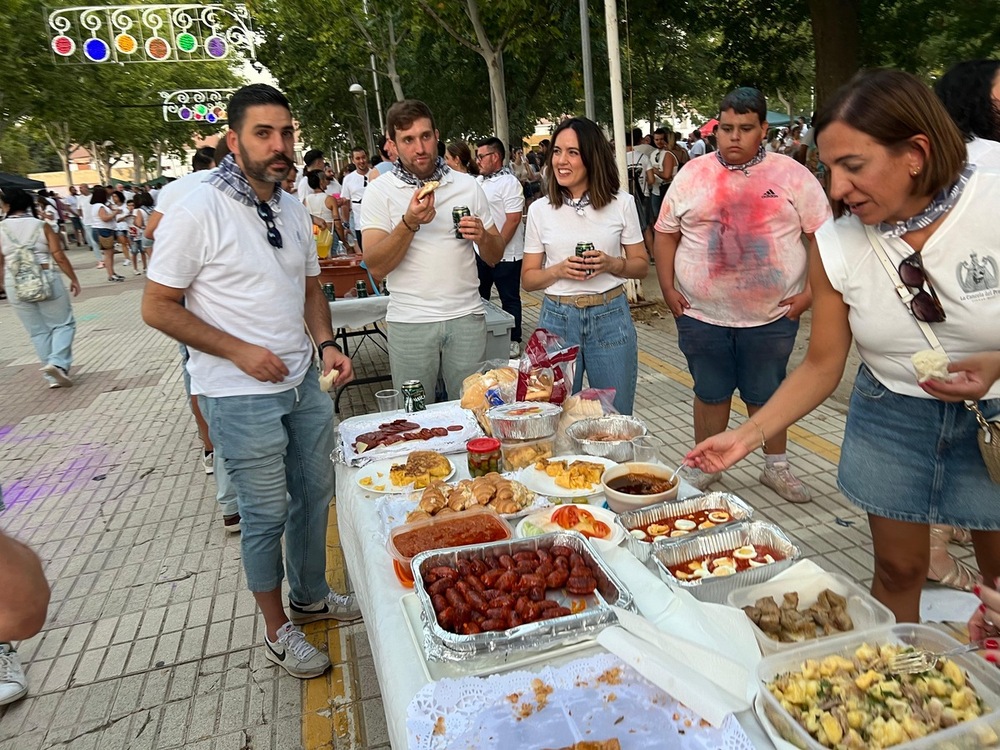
x=706 y=129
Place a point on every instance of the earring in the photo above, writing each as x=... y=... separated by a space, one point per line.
x=915 y=172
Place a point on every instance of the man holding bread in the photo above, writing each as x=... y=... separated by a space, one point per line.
x=417 y=238
x=239 y=251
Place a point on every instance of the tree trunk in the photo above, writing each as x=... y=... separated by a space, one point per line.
x=159 y=160
x=494 y=65
x=836 y=37
x=136 y=168
x=390 y=64
x=57 y=135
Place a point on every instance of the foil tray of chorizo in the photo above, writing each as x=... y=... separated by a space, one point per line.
x=514 y=595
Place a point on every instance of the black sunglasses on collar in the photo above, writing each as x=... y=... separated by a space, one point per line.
x=273 y=235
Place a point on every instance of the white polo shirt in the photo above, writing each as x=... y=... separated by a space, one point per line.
x=215 y=248
x=437 y=278
x=353 y=190
x=505 y=196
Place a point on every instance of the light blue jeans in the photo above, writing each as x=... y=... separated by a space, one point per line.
x=276 y=450
x=90 y=233
x=50 y=324
x=609 y=351
x=453 y=349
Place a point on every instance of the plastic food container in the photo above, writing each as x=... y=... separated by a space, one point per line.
x=864 y=609
x=609 y=436
x=684 y=549
x=520 y=453
x=524 y=420
x=484 y=456
x=478 y=525
x=726 y=501
x=985 y=678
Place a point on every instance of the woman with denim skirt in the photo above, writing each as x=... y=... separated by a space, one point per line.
x=582 y=241
x=49 y=323
x=914 y=249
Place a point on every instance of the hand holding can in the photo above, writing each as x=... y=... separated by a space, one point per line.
x=456 y=216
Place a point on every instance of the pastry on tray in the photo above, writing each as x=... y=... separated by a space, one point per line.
x=420 y=468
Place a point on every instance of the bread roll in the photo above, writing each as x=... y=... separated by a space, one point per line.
x=326 y=381
x=428 y=187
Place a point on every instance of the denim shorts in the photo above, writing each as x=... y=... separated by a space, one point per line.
x=722 y=359
x=916 y=459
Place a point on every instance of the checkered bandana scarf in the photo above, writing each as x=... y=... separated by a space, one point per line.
x=440 y=170
x=229 y=178
x=943 y=203
x=499 y=172
x=744 y=168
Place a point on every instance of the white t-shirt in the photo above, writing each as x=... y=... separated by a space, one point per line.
x=176 y=191
x=72 y=203
x=962 y=260
x=506 y=196
x=983 y=153
x=215 y=248
x=740 y=251
x=155 y=195
x=86 y=210
x=315 y=204
x=333 y=187
x=697 y=148
x=437 y=278
x=636 y=164
x=353 y=191
x=556 y=232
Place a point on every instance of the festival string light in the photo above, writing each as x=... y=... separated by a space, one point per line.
x=196 y=105
x=150 y=33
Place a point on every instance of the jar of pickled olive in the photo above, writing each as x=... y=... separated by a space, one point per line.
x=484 y=456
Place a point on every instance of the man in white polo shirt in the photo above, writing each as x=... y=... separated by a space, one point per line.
x=435 y=318
x=506 y=198
x=239 y=252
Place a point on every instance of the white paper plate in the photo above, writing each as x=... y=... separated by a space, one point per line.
x=543 y=484
x=601 y=514
x=378 y=472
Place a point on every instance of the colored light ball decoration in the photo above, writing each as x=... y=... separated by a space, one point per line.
x=186 y=42
x=96 y=50
x=185 y=113
x=157 y=48
x=216 y=47
x=63 y=45
x=126 y=43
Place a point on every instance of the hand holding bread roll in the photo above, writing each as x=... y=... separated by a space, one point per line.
x=326 y=381
x=930 y=365
x=428 y=187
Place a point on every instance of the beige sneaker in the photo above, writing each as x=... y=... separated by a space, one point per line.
x=780 y=479
x=697 y=478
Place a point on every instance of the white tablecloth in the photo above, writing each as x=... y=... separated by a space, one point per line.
x=397 y=661
x=354 y=312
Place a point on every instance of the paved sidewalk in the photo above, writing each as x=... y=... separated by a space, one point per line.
x=152 y=638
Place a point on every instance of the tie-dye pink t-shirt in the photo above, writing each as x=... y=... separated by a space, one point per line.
x=741 y=249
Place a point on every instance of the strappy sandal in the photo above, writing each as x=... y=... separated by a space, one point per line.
x=961 y=536
x=958 y=575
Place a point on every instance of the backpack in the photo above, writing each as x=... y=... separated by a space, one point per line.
x=30 y=283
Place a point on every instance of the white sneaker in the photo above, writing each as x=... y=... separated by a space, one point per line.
x=293 y=652
x=342 y=607
x=126 y=262
x=58 y=374
x=515 y=349
x=13 y=683
x=208 y=461
x=779 y=478
x=697 y=478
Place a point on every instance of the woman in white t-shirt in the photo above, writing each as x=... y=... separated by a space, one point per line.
x=49 y=323
x=903 y=192
x=323 y=208
x=585 y=299
x=105 y=222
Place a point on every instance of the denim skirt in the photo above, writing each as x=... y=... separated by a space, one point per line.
x=916 y=459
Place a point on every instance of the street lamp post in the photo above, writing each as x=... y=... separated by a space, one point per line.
x=358 y=89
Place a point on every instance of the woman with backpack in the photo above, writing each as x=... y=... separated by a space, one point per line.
x=29 y=249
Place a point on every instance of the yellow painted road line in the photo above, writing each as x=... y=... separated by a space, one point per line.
x=796 y=433
x=324 y=699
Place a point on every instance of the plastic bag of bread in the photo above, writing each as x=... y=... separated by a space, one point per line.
x=546 y=369
x=491 y=387
x=588 y=403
